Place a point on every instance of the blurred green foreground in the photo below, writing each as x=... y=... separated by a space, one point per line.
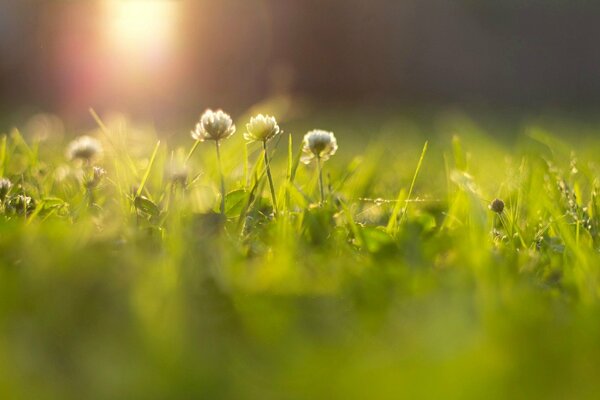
x=139 y=289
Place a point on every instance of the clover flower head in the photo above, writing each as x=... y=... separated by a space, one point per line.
x=5 y=186
x=177 y=173
x=99 y=172
x=261 y=128
x=318 y=144
x=97 y=175
x=497 y=206
x=20 y=204
x=84 y=148
x=214 y=125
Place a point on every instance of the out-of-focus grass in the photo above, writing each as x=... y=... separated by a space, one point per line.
x=106 y=296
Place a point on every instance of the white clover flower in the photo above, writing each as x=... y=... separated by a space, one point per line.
x=318 y=144
x=177 y=173
x=261 y=128
x=99 y=172
x=84 y=148
x=5 y=186
x=214 y=125
x=97 y=175
x=20 y=204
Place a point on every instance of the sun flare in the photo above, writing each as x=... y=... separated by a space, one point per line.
x=141 y=27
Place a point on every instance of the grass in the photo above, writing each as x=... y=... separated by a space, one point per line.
x=403 y=284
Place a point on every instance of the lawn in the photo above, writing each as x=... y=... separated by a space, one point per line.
x=123 y=274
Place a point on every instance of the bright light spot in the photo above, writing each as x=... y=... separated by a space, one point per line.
x=141 y=28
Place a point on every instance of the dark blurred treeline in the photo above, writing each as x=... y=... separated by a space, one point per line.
x=233 y=53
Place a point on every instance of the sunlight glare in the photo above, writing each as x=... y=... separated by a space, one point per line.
x=145 y=28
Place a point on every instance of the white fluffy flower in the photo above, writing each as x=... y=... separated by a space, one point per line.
x=318 y=143
x=214 y=125
x=177 y=173
x=84 y=148
x=261 y=128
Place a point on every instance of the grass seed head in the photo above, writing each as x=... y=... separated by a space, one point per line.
x=214 y=125
x=261 y=128
x=497 y=206
x=84 y=148
x=318 y=143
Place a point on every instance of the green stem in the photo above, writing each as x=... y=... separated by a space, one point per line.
x=246 y=171
x=320 y=179
x=90 y=193
x=222 y=177
x=88 y=173
x=270 y=178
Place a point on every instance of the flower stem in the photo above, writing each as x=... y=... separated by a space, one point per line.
x=88 y=173
x=246 y=170
x=271 y=186
x=222 y=177
x=320 y=179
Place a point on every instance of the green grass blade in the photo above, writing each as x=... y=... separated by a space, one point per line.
x=392 y=223
x=353 y=226
x=192 y=150
x=103 y=127
x=147 y=173
x=3 y=156
x=22 y=144
x=246 y=170
x=106 y=132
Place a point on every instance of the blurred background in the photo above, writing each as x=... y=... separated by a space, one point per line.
x=167 y=60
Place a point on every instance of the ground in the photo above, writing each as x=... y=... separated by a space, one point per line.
x=402 y=283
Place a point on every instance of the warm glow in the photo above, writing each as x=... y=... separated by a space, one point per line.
x=144 y=28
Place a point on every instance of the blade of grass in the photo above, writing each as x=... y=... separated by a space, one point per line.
x=147 y=173
x=192 y=150
x=392 y=224
x=102 y=127
x=20 y=142
x=290 y=161
x=459 y=157
x=35 y=213
x=3 y=158
x=292 y=168
x=353 y=226
x=246 y=171
x=106 y=132
x=251 y=198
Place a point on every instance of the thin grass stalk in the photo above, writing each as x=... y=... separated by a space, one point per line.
x=246 y=170
x=3 y=156
x=290 y=166
x=217 y=144
x=270 y=178
x=192 y=150
x=148 y=168
x=394 y=221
